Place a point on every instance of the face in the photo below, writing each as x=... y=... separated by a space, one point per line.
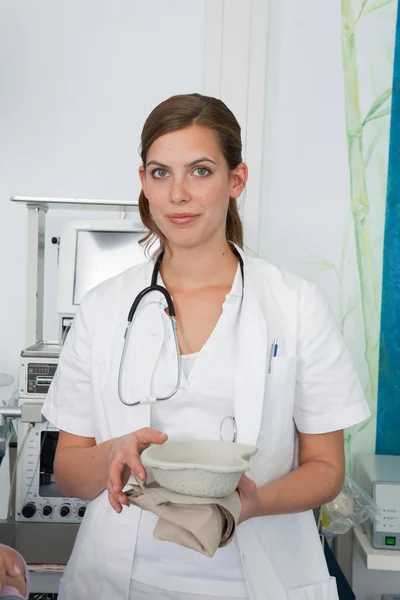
x=188 y=184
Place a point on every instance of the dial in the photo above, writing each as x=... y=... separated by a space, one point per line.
x=65 y=510
x=29 y=510
x=47 y=510
x=81 y=511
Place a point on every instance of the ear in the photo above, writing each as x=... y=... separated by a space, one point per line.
x=142 y=177
x=239 y=177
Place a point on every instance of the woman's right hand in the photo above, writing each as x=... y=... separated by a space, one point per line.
x=124 y=458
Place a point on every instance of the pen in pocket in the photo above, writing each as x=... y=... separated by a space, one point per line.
x=273 y=353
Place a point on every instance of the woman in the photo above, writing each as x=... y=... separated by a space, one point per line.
x=231 y=324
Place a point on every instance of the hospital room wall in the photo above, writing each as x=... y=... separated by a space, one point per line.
x=318 y=186
x=77 y=80
x=306 y=220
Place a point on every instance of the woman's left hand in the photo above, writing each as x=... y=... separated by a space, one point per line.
x=249 y=497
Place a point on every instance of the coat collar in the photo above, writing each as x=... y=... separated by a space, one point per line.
x=251 y=361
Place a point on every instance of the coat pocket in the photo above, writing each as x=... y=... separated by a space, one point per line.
x=324 y=590
x=279 y=394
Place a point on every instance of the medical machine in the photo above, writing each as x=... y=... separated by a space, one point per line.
x=37 y=367
x=91 y=252
x=42 y=523
x=379 y=475
x=37 y=497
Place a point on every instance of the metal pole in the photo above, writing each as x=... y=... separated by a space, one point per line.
x=9 y=413
x=35 y=274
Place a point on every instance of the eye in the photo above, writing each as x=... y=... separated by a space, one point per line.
x=201 y=171
x=159 y=173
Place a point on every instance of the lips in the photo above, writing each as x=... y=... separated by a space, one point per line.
x=182 y=218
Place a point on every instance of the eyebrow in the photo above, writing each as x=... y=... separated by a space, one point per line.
x=188 y=165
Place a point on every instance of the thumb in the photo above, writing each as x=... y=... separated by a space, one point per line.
x=246 y=487
x=149 y=436
x=12 y=569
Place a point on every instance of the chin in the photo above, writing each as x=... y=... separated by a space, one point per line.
x=188 y=242
x=190 y=237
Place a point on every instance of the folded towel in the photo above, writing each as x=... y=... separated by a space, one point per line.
x=202 y=524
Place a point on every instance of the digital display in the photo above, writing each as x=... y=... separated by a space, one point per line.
x=390 y=540
x=38 y=369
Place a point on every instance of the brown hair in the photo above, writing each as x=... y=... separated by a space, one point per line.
x=179 y=112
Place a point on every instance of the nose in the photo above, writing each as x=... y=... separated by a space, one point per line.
x=179 y=192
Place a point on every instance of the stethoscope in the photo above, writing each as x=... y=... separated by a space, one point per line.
x=154 y=287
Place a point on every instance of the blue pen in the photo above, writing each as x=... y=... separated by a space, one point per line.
x=273 y=353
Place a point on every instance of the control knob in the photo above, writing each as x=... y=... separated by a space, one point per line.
x=47 y=510
x=29 y=510
x=81 y=511
x=65 y=510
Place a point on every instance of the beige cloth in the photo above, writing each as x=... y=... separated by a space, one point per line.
x=141 y=591
x=202 y=524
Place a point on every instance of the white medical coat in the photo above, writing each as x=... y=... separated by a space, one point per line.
x=312 y=386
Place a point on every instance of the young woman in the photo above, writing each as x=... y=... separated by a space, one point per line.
x=258 y=345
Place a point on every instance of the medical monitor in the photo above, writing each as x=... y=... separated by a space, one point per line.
x=91 y=252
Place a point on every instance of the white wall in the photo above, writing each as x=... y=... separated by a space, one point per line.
x=306 y=223
x=77 y=80
x=305 y=177
x=305 y=211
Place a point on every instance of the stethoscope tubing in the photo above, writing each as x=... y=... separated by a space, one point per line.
x=154 y=287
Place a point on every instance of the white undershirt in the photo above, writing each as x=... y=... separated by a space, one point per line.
x=195 y=412
x=187 y=361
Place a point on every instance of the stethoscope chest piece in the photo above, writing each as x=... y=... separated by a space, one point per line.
x=228 y=430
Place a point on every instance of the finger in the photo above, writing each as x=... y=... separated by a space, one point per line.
x=116 y=495
x=149 y=436
x=3 y=575
x=115 y=472
x=137 y=468
x=13 y=564
x=246 y=486
x=12 y=570
x=114 y=502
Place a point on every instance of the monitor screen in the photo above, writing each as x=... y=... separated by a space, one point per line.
x=101 y=255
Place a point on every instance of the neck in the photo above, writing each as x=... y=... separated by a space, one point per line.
x=191 y=268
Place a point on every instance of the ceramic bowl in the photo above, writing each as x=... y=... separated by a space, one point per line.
x=199 y=468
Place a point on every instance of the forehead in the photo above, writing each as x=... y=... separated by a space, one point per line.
x=189 y=143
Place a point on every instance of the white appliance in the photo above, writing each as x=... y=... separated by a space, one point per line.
x=379 y=475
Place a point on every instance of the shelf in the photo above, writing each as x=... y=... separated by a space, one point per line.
x=45 y=583
x=377 y=560
x=44 y=202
